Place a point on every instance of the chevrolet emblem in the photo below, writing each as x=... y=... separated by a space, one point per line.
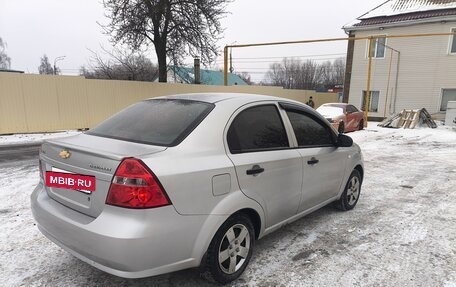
x=64 y=154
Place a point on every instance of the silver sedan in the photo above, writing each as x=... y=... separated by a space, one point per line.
x=191 y=180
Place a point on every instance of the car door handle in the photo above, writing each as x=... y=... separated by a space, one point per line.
x=256 y=169
x=312 y=161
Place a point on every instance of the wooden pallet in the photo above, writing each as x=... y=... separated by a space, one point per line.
x=409 y=119
x=390 y=122
x=427 y=119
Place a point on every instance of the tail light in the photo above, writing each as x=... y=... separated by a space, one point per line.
x=135 y=186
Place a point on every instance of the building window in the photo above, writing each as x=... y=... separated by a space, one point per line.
x=373 y=104
x=378 y=47
x=453 y=42
x=447 y=95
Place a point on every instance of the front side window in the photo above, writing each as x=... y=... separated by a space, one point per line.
x=453 y=42
x=373 y=103
x=309 y=132
x=257 y=129
x=447 y=95
x=378 y=47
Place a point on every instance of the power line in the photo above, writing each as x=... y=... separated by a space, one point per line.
x=301 y=56
x=244 y=62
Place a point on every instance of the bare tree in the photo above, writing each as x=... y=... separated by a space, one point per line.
x=293 y=74
x=339 y=71
x=45 y=68
x=291 y=68
x=276 y=75
x=331 y=73
x=5 y=61
x=122 y=65
x=246 y=77
x=307 y=72
x=307 y=75
x=176 y=28
x=325 y=73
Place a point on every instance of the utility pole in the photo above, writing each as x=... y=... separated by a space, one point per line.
x=367 y=98
x=231 y=62
x=197 y=71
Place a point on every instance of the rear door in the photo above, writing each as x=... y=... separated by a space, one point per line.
x=268 y=170
x=323 y=162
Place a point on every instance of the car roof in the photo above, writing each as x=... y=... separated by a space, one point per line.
x=219 y=97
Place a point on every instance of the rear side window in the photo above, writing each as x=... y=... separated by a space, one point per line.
x=257 y=129
x=157 y=122
x=308 y=131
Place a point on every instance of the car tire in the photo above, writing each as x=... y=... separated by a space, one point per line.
x=350 y=196
x=233 y=244
x=361 y=125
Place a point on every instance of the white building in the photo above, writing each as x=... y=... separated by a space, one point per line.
x=410 y=72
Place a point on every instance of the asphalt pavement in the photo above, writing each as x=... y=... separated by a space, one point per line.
x=19 y=152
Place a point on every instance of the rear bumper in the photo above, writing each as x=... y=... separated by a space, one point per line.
x=125 y=242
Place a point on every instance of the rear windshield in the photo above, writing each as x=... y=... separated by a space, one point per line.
x=160 y=122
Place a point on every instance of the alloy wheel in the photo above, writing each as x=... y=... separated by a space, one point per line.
x=353 y=190
x=234 y=249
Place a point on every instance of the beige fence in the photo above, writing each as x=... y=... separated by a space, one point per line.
x=40 y=103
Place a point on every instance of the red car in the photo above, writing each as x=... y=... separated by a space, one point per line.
x=343 y=117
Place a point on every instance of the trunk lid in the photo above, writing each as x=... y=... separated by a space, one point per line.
x=88 y=155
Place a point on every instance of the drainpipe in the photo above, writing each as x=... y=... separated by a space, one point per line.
x=397 y=81
x=348 y=67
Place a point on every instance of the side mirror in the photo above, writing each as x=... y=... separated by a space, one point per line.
x=344 y=141
x=341 y=128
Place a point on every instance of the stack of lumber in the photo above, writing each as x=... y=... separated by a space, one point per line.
x=409 y=119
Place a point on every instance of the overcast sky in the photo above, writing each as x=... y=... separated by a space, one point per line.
x=69 y=28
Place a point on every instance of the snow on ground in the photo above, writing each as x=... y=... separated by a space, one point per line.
x=19 y=139
x=402 y=232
